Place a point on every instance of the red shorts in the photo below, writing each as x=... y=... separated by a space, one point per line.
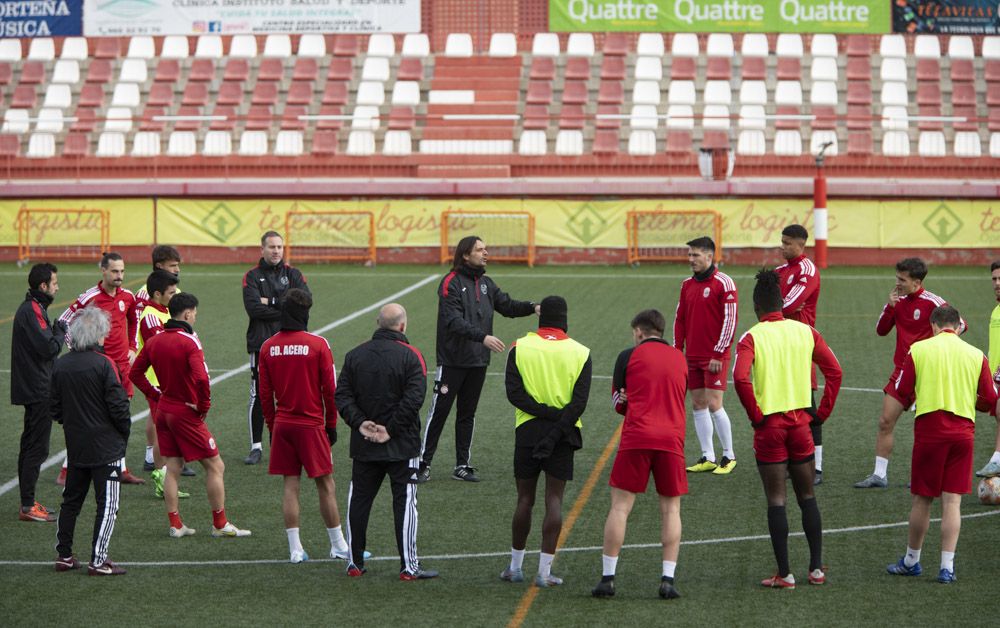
x=782 y=439
x=700 y=377
x=183 y=434
x=152 y=409
x=632 y=467
x=942 y=456
x=294 y=447
x=890 y=388
x=123 y=371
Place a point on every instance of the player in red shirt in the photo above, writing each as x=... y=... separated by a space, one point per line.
x=799 y=282
x=120 y=345
x=777 y=400
x=183 y=398
x=648 y=387
x=297 y=384
x=909 y=311
x=703 y=329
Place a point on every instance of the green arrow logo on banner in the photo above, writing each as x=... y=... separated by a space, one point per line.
x=943 y=224
x=221 y=223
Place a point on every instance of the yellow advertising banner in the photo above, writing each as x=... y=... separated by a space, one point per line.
x=73 y=221
x=558 y=222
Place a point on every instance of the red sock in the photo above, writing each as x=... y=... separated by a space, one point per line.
x=175 y=520
x=219 y=518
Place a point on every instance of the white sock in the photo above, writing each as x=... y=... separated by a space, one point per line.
x=149 y=454
x=995 y=457
x=337 y=540
x=545 y=564
x=516 y=559
x=164 y=469
x=912 y=557
x=819 y=459
x=294 y=544
x=881 y=466
x=610 y=564
x=724 y=428
x=948 y=561
x=668 y=568
x=65 y=463
x=703 y=427
x=255 y=446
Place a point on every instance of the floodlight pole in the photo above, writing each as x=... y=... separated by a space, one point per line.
x=820 y=216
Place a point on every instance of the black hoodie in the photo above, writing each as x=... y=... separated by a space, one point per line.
x=36 y=343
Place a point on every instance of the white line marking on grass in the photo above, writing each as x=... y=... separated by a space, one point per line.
x=505 y=553
x=58 y=458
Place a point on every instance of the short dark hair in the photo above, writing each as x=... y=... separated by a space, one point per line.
x=41 y=273
x=165 y=253
x=912 y=266
x=767 y=291
x=269 y=234
x=704 y=243
x=995 y=265
x=463 y=248
x=181 y=302
x=109 y=257
x=946 y=316
x=159 y=280
x=795 y=231
x=650 y=322
x=299 y=297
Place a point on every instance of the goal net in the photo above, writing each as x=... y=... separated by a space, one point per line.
x=341 y=236
x=661 y=236
x=509 y=236
x=62 y=235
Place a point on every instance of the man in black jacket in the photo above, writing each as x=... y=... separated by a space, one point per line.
x=264 y=285
x=88 y=400
x=36 y=343
x=379 y=394
x=467 y=299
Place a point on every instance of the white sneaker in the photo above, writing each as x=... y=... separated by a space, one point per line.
x=299 y=556
x=346 y=554
x=229 y=530
x=176 y=533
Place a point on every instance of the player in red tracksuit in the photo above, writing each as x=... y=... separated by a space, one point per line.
x=182 y=401
x=120 y=345
x=909 y=311
x=703 y=329
x=297 y=384
x=799 y=282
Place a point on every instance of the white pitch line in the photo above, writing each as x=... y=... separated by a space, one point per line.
x=58 y=458
x=505 y=553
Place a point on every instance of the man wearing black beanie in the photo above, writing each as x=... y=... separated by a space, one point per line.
x=548 y=383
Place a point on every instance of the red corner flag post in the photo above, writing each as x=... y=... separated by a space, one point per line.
x=820 y=217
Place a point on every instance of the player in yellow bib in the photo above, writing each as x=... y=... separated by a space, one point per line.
x=992 y=467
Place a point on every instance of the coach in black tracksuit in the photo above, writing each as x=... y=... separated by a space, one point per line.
x=379 y=393
x=36 y=343
x=467 y=299
x=264 y=285
x=88 y=400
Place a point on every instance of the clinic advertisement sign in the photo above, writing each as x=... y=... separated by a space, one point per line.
x=225 y=17
x=699 y=16
x=40 y=18
x=954 y=17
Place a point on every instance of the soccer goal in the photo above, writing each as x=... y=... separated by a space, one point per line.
x=661 y=236
x=62 y=235
x=509 y=236
x=341 y=236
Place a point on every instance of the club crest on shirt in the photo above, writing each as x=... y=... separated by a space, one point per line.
x=121 y=306
x=916 y=315
x=706 y=292
x=789 y=280
x=211 y=443
x=482 y=288
x=284 y=280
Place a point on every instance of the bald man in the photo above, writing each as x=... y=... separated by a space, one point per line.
x=379 y=394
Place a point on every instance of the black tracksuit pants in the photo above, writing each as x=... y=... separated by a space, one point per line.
x=451 y=383
x=107 y=483
x=255 y=416
x=34 y=449
x=366 y=480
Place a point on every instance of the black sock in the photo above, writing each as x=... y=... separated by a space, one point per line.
x=667 y=579
x=812 y=524
x=777 y=525
x=607 y=578
x=817 y=433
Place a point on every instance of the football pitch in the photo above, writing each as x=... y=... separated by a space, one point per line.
x=464 y=529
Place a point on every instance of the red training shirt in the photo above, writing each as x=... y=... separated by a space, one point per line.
x=654 y=376
x=911 y=317
x=124 y=322
x=799 y=281
x=178 y=359
x=706 y=317
x=297 y=380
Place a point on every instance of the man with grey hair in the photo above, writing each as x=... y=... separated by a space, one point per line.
x=379 y=394
x=87 y=398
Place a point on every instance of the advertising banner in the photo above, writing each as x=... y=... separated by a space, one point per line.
x=713 y=16
x=971 y=17
x=225 y=17
x=569 y=224
x=21 y=18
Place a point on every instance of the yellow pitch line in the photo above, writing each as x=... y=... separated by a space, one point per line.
x=574 y=513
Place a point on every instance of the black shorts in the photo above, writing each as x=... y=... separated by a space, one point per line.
x=559 y=465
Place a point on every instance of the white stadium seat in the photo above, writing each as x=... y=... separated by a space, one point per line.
x=926 y=47
x=217 y=144
x=787 y=143
x=375 y=69
x=111 y=144
x=141 y=47
x=545 y=45
x=960 y=47
x=680 y=117
x=751 y=143
x=788 y=93
x=719 y=45
x=66 y=71
x=42 y=49
x=503 y=45
x=406 y=93
x=753 y=93
x=458 y=45
x=648 y=69
x=754 y=45
x=646 y=93
x=681 y=93
x=175 y=47
x=824 y=45
x=182 y=144
x=41 y=146
x=580 y=45
x=288 y=143
x=312 y=45
x=892 y=46
x=397 y=143
x=823 y=93
x=146 y=144
x=643 y=117
x=569 y=143
x=74 y=48
x=893 y=69
x=968 y=144
x=650 y=45
x=823 y=69
x=278 y=46
x=16 y=121
x=532 y=143
x=642 y=142
x=752 y=117
x=819 y=138
x=789 y=45
x=685 y=45
x=416 y=45
x=241 y=47
x=209 y=47
x=715 y=117
x=381 y=45
x=931 y=144
x=717 y=93
x=896 y=144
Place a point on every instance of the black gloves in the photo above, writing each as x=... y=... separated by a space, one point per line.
x=331 y=435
